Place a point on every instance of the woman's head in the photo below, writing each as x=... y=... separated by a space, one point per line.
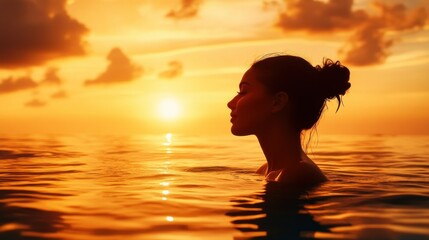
x=307 y=88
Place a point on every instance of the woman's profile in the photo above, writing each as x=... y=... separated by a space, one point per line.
x=280 y=97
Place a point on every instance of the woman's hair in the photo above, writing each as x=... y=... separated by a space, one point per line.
x=308 y=87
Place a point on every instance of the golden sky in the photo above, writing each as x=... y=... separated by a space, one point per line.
x=146 y=66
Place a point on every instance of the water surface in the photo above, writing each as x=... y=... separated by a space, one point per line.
x=182 y=187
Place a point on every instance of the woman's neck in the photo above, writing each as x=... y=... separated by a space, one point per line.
x=281 y=147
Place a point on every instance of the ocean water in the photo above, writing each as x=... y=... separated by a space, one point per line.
x=185 y=187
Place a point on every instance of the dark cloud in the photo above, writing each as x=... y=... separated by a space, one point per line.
x=35 y=103
x=59 y=94
x=120 y=69
x=11 y=84
x=51 y=77
x=187 y=9
x=175 y=69
x=35 y=31
x=398 y=17
x=317 y=16
x=368 y=44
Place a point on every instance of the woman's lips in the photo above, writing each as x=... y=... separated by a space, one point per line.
x=232 y=117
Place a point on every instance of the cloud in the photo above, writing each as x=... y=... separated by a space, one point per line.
x=59 y=94
x=368 y=43
x=317 y=16
x=120 y=69
x=11 y=84
x=367 y=46
x=51 y=77
x=175 y=69
x=35 y=31
x=188 y=9
x=35 y=103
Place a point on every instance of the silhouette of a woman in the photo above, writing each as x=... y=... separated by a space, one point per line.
x=280 y=97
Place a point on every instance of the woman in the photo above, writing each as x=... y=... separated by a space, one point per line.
x=279 y=98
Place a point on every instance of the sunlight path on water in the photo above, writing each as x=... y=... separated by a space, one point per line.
x=174 y=186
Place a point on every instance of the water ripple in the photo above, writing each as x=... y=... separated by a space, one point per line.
x=142 y=187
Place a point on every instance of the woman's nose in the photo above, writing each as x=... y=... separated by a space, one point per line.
x=231 y=103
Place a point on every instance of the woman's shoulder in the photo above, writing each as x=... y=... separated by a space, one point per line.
x=305 y=173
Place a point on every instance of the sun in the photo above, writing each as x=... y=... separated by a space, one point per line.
x=169 y=109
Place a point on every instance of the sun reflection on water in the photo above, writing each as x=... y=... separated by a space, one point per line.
x=165 y=184
x=165 y=192
x=165 y=170
x=168 y=138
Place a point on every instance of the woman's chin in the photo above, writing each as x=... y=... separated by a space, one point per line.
x=238 y=132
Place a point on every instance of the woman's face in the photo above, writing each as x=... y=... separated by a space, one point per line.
x=251 y=107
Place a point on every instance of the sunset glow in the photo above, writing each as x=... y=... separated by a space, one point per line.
x=214 y=119
x=122 y=61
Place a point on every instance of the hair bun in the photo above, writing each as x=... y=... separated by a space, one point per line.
x=333 y=79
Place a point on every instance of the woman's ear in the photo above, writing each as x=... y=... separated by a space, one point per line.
x=279 y=102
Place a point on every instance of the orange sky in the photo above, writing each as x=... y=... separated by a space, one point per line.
x=140 y=66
